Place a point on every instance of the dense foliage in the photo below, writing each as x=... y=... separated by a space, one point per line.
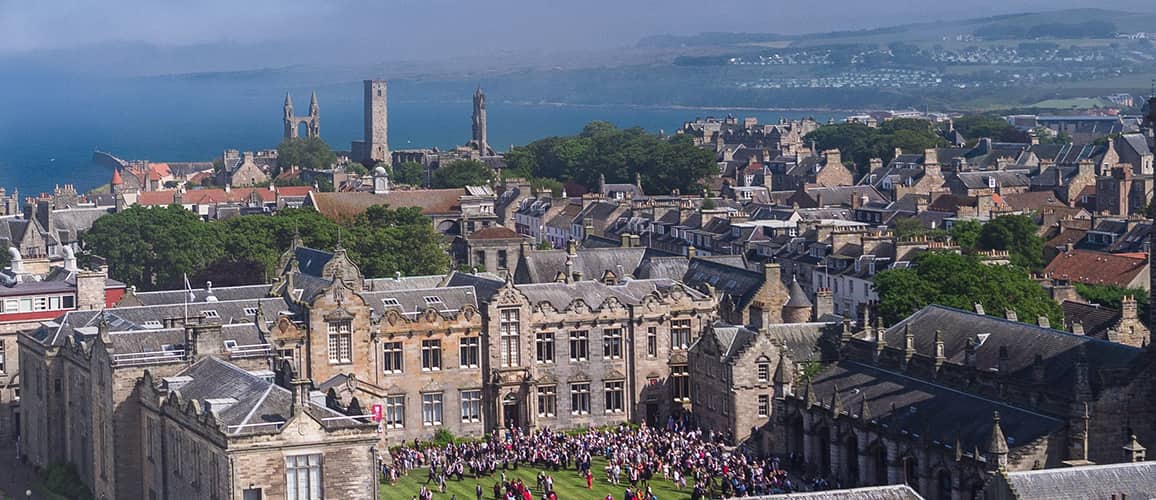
x=1112 y=295
x=309 y=153
x=665 y=164
x=1017 y=234
x=410 y=172
x=973 y=127
x=461 y=173
x=154 y=248
x=860 y=143
x=961 y=281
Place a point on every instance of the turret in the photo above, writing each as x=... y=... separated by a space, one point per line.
x=996 y=450
x=288 y=106
x=314 y=109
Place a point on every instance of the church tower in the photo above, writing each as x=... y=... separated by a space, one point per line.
x=376 y=143
x=480 y=140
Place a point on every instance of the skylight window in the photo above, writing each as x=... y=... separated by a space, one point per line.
x=152 y=324
x=429 y=299
x=210 y=314
x=250 y=311
x=390 y=302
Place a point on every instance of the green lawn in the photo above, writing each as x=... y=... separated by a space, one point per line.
x=566 y=483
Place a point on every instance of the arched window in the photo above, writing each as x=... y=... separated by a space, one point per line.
x=943 y=484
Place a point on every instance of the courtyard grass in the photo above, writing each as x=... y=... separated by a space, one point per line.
x=566 y=483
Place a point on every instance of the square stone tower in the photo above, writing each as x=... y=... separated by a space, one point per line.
x=375 y=147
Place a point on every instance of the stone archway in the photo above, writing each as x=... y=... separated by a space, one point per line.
x=943 y=485
x=851 y=460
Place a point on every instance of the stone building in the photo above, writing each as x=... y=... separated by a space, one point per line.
x=738 y=372
x=1017 y=397
x=312 y=121
x=374 y=147
x=587 y=353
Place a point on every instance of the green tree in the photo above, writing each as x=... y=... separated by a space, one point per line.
x=961 y=281
x=356 y=168
x=860 y=143
x=1017 y=234
x=966 y=233
x=410 y=172
x=154 y=248
x=461 y=173
x=310 y=153
x=1112 y=296
x=974 y=127
x=601 y=149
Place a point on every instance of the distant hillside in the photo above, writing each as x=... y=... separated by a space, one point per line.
x=1069 y=23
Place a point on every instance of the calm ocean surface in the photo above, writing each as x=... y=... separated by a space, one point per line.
x=49 y=127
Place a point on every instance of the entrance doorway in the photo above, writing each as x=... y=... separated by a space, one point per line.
x=510 y=412
x=652 y=415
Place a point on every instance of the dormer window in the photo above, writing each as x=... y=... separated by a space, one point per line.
x=210 y=314
x=390 y=302
x=152 y=324
x=433 y=300
x=250 y=311
x=230 y=344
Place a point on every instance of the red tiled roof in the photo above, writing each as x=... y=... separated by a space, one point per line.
x=205 y=196
x=1097 y=268
x=494 y=233
x=343 y=206
x=294 y=190
x=160 y=170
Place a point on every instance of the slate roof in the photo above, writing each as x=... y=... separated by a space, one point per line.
x=1124 y=480
x=1097 y=268
x=1003 y=178
x=933 y=412
x=411 y=302
x=1023 y=341
x=1095 y=319
x=894 y=492
x=544 y=266
x=664 y=267
x=240 y=400
x=802 y=340
x=741 y=284
x=594 y=293
x=798 y=298
x=485 y=285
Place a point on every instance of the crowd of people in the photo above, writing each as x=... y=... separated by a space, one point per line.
x=692 y=460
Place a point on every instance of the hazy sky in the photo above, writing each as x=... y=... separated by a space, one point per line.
x=432 y=28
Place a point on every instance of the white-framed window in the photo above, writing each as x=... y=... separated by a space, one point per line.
x=3 y=359
x=544 y=347
x=394 y=417
x=509 y=328
x=431 y=355
x=340 y=341
x=431 y=408
x=210 y=313
x=680 y=334
x=303 y=477
x=230 y=344
x=615 y=397
x=390 y=302
x=433 y=300
x=579 y=345
x=250 y=311
x=764 y=405
x=652 y=341
x=469 y=349
x=764 y=371
x=471 y=406
x=612 y=343
x=392 y=357
x=580 y=399
x=547 y=400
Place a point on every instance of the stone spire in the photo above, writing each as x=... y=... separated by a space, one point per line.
x=836 y=403
x=784 y=375
x=864 y=409
x=997 y=449
x=314 y=109
x=288 y=101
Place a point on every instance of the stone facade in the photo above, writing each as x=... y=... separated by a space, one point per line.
x=312 y=121
x=374 y=148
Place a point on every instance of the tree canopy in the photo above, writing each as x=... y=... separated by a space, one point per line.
x=973 y=127
x=309 y=153
x=1018 y=235
x=410 y=172
x=1112 y=296
x=461 y=173
x=665 y=164
x=154 y=248
x=861 y=143
x=961 y=281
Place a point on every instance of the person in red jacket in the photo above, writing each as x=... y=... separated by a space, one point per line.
x=589 y=480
